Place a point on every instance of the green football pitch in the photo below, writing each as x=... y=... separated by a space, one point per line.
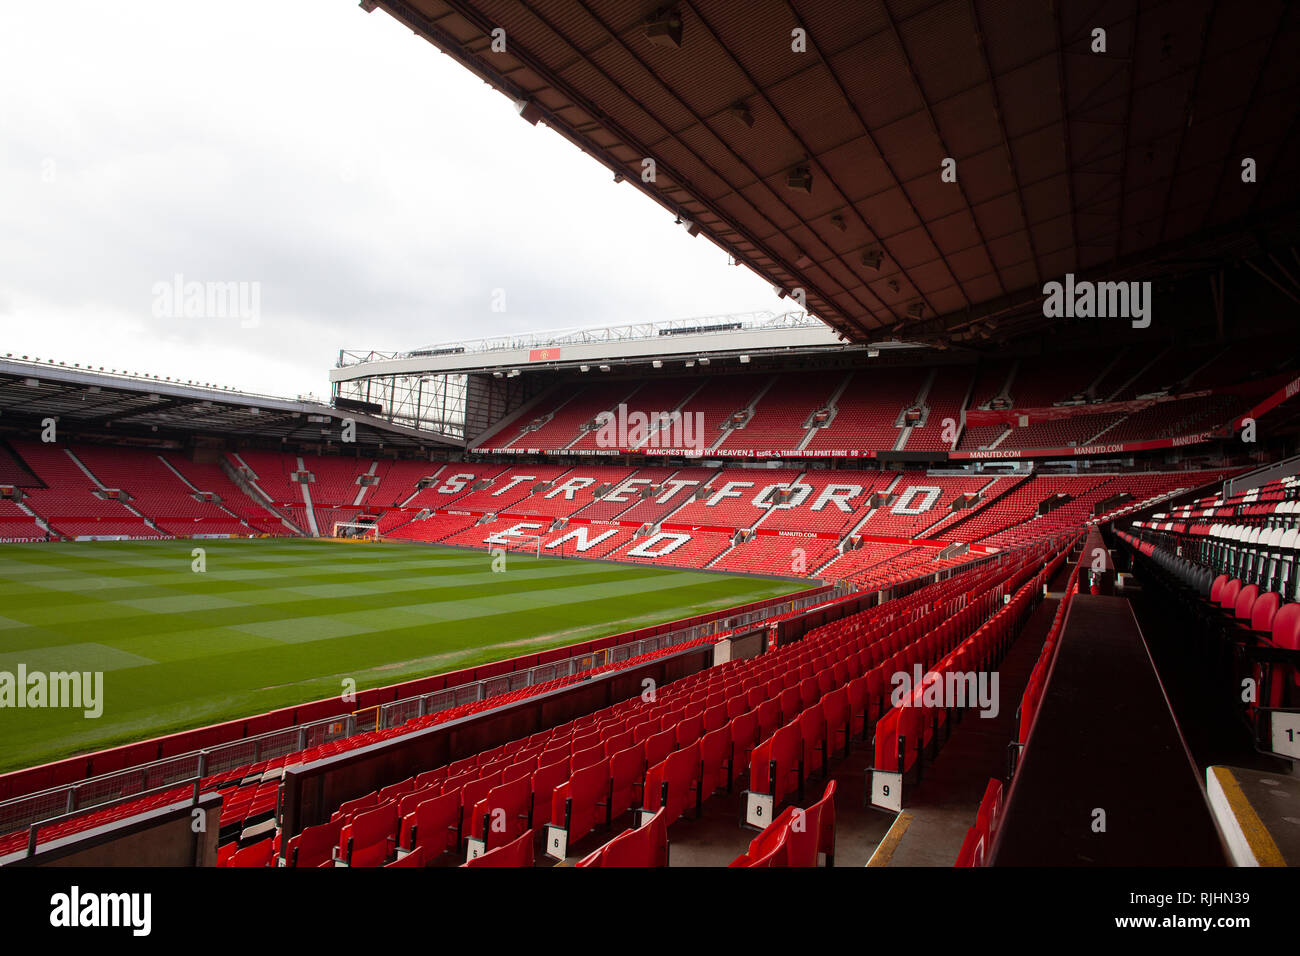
x=270 y=623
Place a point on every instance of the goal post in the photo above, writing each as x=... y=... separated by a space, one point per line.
x=519 y=544
x=527 y=544
x=355 y=530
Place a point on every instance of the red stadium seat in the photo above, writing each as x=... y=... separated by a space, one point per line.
x=503 y=814
x=715 y=760
x=519 y=852
x=588 y=756
x=434 y=825
x=1262 y=614
x=812 y=831
x=315 y=844
x=659 y=746
x=547 y=778
x=646 y=845
x=812 y=731
x=774 y=766
x=1245 y=603
x=627 y=775
x=583 y=802
x=674 y=783
x=369 y=839
x=350 y=807
x=775 y=852
x=261 y=853
x=413 y=859
x=839 y=719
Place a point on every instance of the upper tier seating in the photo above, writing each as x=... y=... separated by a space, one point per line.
x=868 y=409
x=69 y=502
x=779 y=417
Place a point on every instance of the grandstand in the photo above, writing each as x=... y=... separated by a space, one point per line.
x=908 y=568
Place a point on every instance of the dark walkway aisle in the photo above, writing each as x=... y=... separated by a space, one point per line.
x=944 y=804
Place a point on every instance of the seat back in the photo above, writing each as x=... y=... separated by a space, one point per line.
x=506 y=809
x=1262 y=614
x=588 y=791
x=432 y=825
x=647 y=845
x=588 y=756
x=782 y=749
x=349 y=808
x=395 y=790
x=518 y=852
x=771 y=835
x=627 y=773
x=315 y=844
x=546 y=780
x=1245 y=603
x=715 y=755
x=682 y=774
x=261 y=853
x=825 y=808
x=777 y=854
x=660 y=745
x=1286 y=627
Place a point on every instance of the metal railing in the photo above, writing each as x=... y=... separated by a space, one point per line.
x=740 y=322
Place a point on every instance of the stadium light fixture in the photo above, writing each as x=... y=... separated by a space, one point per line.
x=872 y=258
x=799 y=179
x=704 y=361
x=744 y=360
x=584 y=368
x=657 y=364
x=604 y=368
x=873 y=353
x=498 y=374
x=664 y=28
x=740 y=112
x=529 y=110
x=690 y=363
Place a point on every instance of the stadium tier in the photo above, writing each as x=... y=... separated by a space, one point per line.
x=732 y=518
x=882 y=488
x=1064 y=402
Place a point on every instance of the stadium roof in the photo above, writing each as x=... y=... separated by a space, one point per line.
x=642 y=343
x=806 y=165
x=125 y=405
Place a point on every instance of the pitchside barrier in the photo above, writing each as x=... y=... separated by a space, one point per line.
x=40 y=808
x=790 y=618
x=184 y=743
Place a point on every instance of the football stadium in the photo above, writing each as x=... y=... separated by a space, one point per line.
x=978 y=551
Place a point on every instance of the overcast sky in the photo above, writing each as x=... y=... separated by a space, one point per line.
x=369 y=191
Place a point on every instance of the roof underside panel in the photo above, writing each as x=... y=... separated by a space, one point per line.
x=1068 y=157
